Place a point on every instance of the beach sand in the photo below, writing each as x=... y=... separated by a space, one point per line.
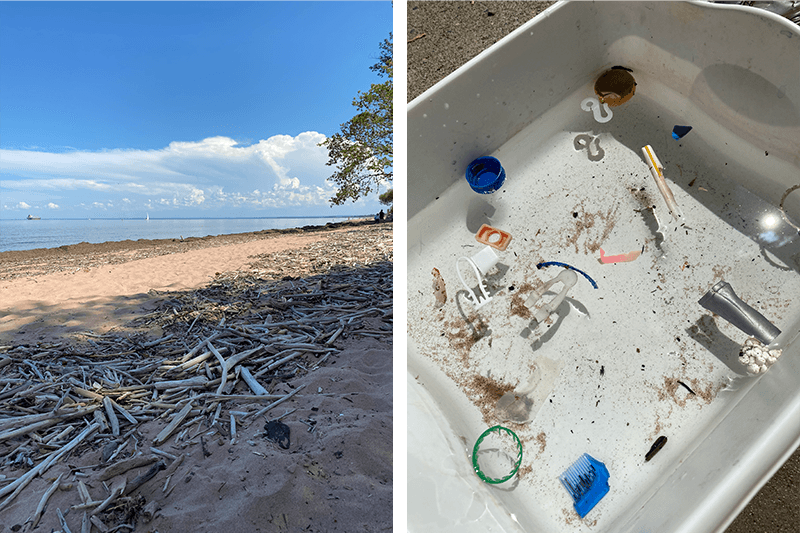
x=89 y=301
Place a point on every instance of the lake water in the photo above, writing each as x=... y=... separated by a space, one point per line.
x=50 y=233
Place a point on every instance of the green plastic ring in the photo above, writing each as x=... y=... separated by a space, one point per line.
x=517 y=463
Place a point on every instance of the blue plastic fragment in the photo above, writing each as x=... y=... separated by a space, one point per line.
x=564 y=265
x=679 y=131
x=587 y=482
x=485 y=175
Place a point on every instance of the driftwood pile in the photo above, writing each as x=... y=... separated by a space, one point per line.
x=223 y=349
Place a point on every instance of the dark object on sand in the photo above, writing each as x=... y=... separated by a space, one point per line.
x=278 y=432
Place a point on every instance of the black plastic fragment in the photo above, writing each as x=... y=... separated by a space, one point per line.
x=655 y=448
x=278 y=432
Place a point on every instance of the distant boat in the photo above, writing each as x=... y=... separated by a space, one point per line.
x=31 y=217
x=148 y=216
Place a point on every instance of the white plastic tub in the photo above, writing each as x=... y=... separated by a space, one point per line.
x=733 y=74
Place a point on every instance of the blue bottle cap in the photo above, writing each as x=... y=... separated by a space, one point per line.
x=485 y=175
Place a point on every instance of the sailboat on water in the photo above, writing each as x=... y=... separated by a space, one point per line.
x=148 y=216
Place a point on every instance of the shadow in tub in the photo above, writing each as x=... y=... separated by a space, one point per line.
x=561 y=311
x=706 y=333
x=692 y=164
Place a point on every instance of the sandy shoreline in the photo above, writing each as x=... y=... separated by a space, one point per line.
x=116 y=324
x=38 y=261
x=49 y=292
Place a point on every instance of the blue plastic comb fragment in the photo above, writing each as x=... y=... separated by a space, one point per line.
x=587 y=482
x=679 y=131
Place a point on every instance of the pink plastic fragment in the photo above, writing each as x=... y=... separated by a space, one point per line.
x=621 y=258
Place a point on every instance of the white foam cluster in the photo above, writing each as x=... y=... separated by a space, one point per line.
x=756 y=357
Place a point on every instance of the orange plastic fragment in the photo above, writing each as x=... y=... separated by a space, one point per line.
x=494 y=237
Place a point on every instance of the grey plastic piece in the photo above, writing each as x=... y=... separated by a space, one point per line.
x=721 y=299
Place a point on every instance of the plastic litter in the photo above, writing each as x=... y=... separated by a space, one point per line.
x=501 y=453
x=564 y=265
x=568 y=278
x=587 y=482
x=678 y=132
x=485 y=175
x=621 y=258
x=493 y=237
x=756 y=357
x=657 y=170
x=481 y=263
x=593 y=104
x=721 y=299
x=522 y=405
x=655 y=448
x=278 y=432
x=584 y=141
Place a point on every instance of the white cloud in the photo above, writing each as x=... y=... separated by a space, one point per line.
x=51 y=205
x=216 y=172
x=23 y=205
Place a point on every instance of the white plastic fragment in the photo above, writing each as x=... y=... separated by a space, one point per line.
x=593 y=104
x=481 y=263
x=756 y=358
x=568 y=278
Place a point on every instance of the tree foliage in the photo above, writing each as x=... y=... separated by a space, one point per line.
x=362 y=152
x=387 y=197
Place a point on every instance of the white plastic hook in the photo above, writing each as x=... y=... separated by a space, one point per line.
x=593 y=104
x=568 y=278
x=481 y=263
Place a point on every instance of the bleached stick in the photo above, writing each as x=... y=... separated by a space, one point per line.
x=172 y=426
x=40 y=508
x=16 y=487
x=254 y=385
x=112 y=417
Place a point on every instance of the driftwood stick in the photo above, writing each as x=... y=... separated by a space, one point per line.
x=222 y=366
x=59 y=414
x=174 y=465
x=112 y=417
x=127 y=464
x=176 y=420
x=241 y=356
x=275 y=404
x=10 y=434
x=199 y=347
x=63 y=522
x=96 y=522
x=16 y=487
x=124 y=413
x=86 y=393
x=192 y=383
x=108 y=501
x=157 y=342
x=86 y=525
x=163 y=454
x=40 y=508
x=252 y=382
x=144 y=478
x=83 y=492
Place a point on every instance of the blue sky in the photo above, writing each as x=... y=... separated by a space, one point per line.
x=181 y=109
